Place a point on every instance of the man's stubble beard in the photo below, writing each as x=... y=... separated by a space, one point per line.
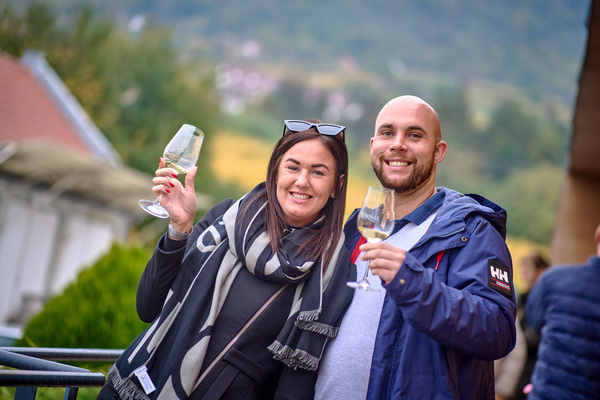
x=419 y=176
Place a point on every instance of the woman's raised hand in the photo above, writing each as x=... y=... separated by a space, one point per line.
x=177 y=199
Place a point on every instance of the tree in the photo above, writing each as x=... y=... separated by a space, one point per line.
x=137 y=89
x=530 y=197
x=452 y=106
x=508 y=140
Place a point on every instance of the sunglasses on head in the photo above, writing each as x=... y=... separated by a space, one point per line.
x=295 y=125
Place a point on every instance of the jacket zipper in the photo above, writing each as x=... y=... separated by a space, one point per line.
x=239 y=334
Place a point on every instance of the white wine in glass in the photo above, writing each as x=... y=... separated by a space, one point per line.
x=375 y=222
x=181 y=154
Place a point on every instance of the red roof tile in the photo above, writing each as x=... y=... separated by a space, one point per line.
x=27 y=112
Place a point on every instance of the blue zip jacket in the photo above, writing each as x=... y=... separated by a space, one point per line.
x=450 y=310
x=563 y=307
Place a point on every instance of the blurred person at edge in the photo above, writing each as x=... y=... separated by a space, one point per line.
x=564 y=308
x=532 y=267
x=448 y=308
x=509 y=369
x=243 y=303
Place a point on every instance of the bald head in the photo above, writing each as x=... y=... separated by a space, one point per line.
x=416 y=106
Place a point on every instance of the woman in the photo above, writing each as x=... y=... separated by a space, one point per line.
x=243 y=305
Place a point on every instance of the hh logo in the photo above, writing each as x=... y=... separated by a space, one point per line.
x=499 y=278
x=499 y=274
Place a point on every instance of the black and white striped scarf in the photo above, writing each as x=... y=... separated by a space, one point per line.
x=181 y=333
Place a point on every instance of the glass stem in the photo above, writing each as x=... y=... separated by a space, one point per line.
x=366 y=275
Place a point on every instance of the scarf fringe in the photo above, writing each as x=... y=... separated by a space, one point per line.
x=310 y=315
x=318 y=327
x=294 y=358
x=126 y=389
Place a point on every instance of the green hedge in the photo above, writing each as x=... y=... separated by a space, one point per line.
x=97 y=310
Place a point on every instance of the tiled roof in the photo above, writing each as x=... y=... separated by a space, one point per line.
x=27 y=111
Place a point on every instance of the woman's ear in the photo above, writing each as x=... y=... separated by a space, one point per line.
x=342 y=181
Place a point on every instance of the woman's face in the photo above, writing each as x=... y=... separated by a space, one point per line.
x=529 y=272
x=305 y=180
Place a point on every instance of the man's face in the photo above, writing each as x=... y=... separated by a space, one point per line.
x=406 y=146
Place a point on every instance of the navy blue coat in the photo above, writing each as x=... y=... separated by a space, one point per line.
x=446 y=315
x=564 y=307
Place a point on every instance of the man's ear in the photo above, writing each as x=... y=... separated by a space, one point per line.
x=440 y=151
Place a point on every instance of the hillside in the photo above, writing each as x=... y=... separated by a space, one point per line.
x=533 y=45
x=340 y=60
x=502 y=76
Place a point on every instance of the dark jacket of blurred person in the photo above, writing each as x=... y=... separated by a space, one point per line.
x=563 y=307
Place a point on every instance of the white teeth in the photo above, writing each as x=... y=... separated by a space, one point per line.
x=398 y=164
x=301 y=196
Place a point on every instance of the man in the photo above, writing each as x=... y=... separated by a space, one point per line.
x=563 y=307
x=448 y=308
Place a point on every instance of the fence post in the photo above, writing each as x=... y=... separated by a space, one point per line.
x=25 y=393
x=71 y=393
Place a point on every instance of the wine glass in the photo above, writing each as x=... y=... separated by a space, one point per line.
x=181 y=154
x=375 y=222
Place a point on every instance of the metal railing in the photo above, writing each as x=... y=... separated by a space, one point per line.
x=36 y=367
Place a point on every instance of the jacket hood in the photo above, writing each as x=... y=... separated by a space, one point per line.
x=458 y=207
